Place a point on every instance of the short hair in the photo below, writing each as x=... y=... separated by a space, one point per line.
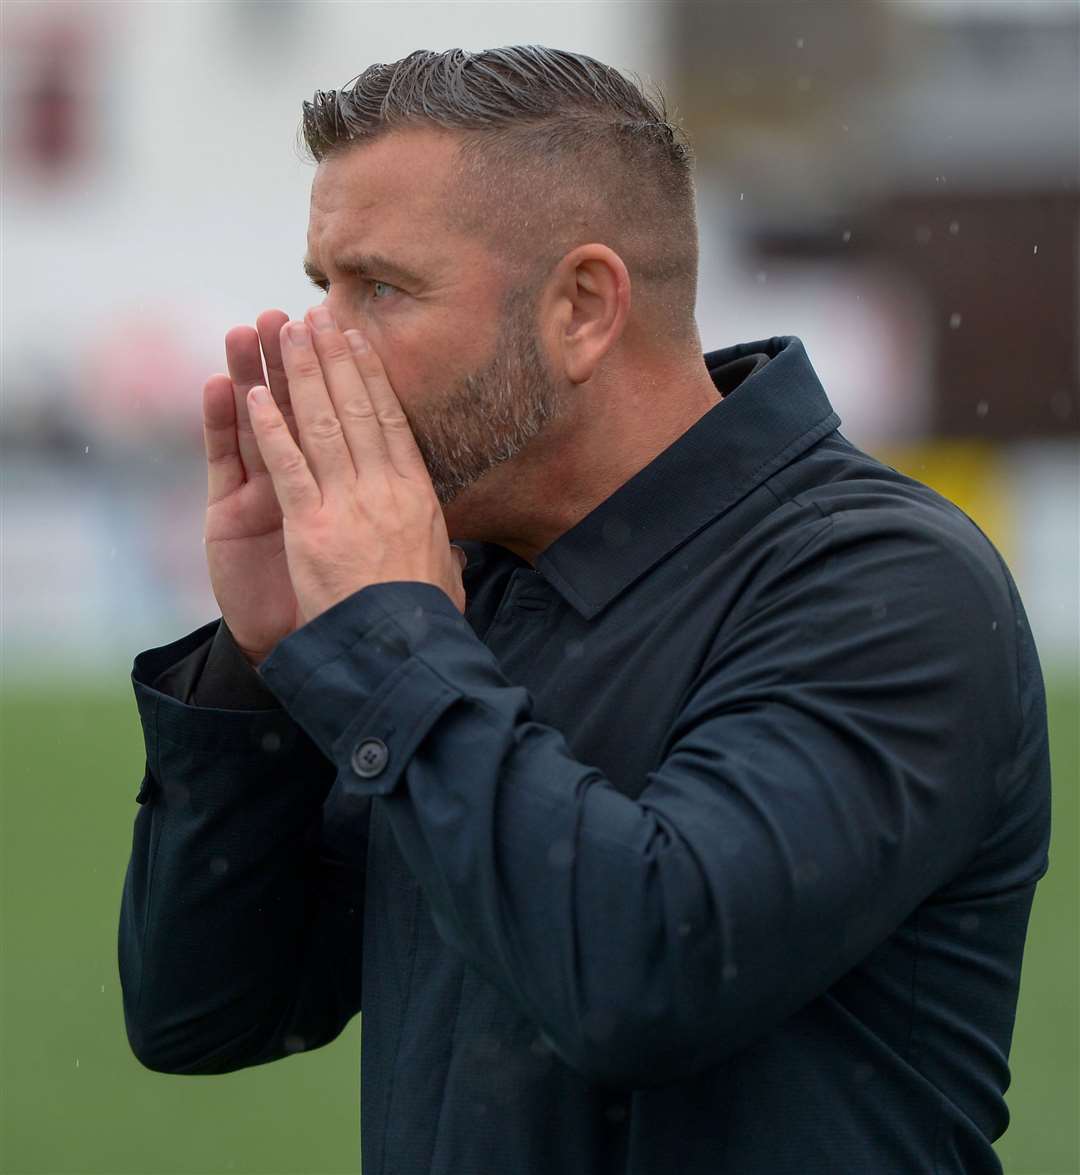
x=557 y=149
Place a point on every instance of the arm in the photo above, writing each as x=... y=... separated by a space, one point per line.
x=240 y=936
x=824 y=777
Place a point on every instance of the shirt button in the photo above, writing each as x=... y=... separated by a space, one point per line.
x=369 y=757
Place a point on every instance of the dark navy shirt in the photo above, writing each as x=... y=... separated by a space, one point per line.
x=707 y=845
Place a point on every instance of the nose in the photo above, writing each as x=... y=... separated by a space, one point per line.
x=343 y=309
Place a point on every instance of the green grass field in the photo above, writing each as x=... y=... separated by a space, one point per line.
x=75 y=1100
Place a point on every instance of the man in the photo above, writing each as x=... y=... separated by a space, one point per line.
x=696 y=827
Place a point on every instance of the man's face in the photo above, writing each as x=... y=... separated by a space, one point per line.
x=461 y=349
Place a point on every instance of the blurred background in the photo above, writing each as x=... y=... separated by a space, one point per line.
x=897 y=182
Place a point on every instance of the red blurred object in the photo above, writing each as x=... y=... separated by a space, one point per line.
x=53 y=62
x=142 y=379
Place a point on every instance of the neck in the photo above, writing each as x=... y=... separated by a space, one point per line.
x=613 y=428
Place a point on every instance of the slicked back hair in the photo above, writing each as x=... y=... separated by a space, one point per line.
x=556 y=150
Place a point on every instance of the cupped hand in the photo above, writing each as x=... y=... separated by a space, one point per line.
x=245 y=542
x=359 y=506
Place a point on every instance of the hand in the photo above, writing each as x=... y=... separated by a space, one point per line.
x=359 y=507
x=245 y=543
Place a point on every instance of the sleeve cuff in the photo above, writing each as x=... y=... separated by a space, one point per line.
x=213 y=728
x=352 y=680
x=228 y=679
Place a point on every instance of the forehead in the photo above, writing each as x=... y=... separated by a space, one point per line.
x=395 y=188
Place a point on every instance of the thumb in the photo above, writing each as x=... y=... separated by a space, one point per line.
x=462 y=558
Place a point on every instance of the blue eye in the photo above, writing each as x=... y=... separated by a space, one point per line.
x=375 y=285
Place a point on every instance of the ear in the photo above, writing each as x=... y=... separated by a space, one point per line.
x=589 y=305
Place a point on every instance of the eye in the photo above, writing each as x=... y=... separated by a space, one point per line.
x=377 y=286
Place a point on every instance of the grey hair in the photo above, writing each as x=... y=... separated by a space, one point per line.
x=556 y=149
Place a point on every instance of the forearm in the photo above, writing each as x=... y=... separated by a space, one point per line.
x=238 y=942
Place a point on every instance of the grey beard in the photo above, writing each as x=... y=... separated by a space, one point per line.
x=490 y=415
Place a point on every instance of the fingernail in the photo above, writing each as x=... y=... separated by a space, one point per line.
x=298 y=332
x=356 y=341
x=321 y=318
x=260 y=395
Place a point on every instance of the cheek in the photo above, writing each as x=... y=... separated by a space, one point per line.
x=424 y=351
x=427 y=349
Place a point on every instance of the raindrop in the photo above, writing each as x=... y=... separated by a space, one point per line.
x=800 y=43
x=103 y=987
x=730 y=845
x=87 y=449
x=847 y=236
x=177 y=793
x=1035 y=250
x=741 y=194
x=539 y=1047
x=271 y=741
x=807 y=873
x=219 y=866
x=844 y=126
x=616 y=532
x=599 y=1023
x=993 y=626
x=982 y=408
x=954 y=227
x=954 y=320
x=76 y=1062
x=560 y=854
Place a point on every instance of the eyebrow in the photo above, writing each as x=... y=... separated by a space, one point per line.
x=365 y=265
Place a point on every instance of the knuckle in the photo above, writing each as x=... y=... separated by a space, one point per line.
x=307 y=367
x=334 y=352
x=324 y=427
x=394 y=419
x=358 y=409
x=292 y=464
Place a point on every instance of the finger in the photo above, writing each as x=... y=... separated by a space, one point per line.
x=224 y=468
x=245 y=369
x=359 y=421
x=397 y=433
x=322 y=437
x=295 y=486
x=269 y=325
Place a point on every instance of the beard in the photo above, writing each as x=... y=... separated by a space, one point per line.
x=490 y=415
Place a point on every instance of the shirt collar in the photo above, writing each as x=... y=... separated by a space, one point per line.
x=775 y=410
